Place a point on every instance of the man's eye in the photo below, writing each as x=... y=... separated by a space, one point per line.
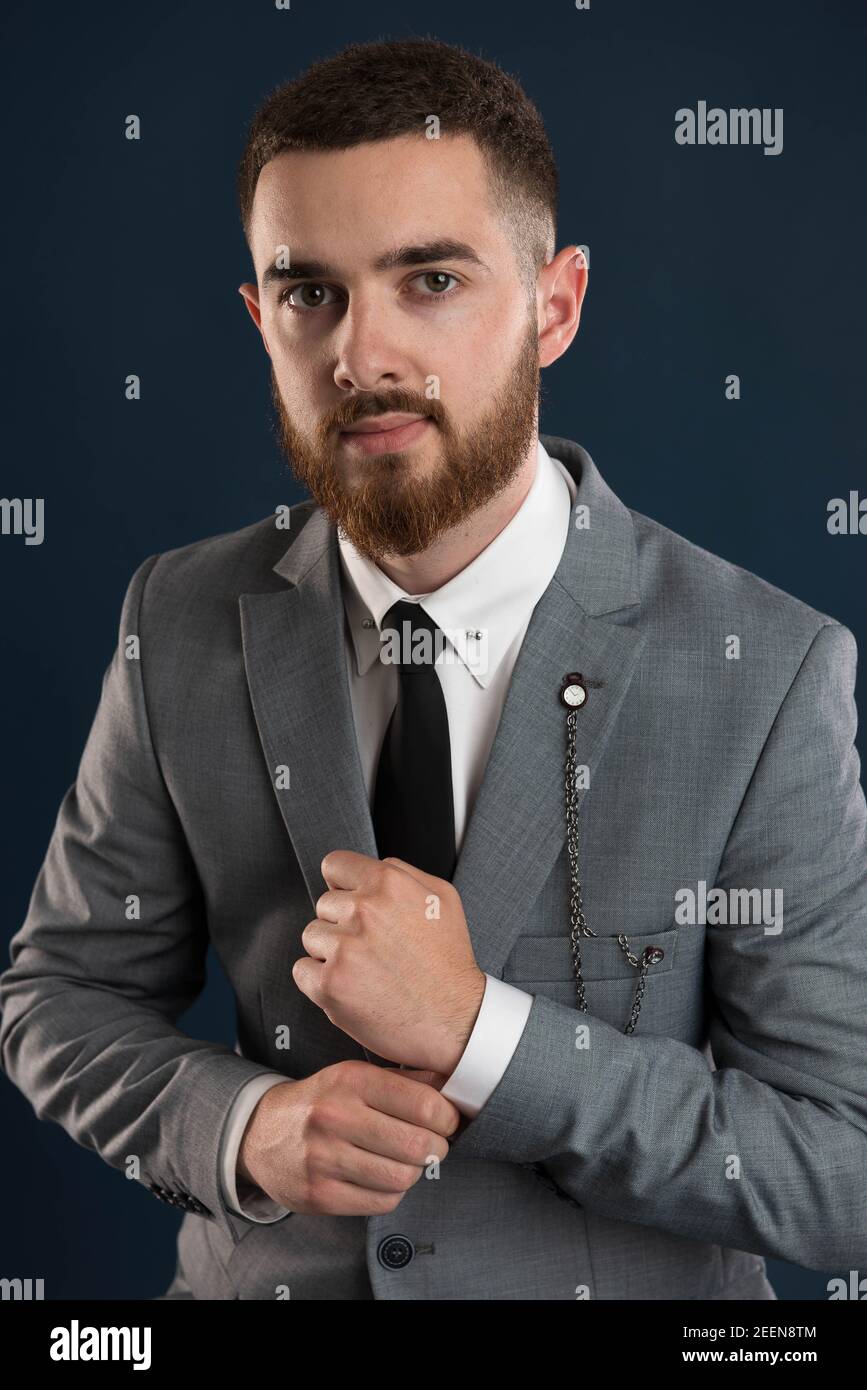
x=433 y=282
x=309 y=296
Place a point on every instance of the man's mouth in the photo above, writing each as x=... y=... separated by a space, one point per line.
x=384 y=434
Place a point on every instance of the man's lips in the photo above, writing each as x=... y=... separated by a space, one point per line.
x=383 y=434
x=391 y=420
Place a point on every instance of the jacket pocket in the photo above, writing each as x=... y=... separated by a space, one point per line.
x=549 y=958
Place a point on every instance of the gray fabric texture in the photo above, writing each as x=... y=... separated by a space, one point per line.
x=730 y=1127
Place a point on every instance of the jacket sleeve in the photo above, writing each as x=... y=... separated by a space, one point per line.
x=112 y=951
x=768 y=1152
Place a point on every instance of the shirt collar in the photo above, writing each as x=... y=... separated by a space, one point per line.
x=495 y=594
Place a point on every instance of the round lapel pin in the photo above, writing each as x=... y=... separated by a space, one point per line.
x=573 y=691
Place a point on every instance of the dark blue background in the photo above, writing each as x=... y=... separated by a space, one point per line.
x=125 y=258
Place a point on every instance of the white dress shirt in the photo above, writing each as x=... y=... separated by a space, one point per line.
x=494 y=595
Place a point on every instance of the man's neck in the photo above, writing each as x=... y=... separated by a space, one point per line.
x=452 y=552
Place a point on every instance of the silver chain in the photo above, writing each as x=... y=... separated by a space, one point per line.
x=577 y=919
x=573 y=695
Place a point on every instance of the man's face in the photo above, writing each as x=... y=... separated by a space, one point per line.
x=437 y=344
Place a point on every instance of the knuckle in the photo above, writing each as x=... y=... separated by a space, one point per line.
x=391 y=1173
x=321 y=1117
x=418 y=1146
x=395 y=1176
x=316 y=1159
x=408 y=1178
x=429 y=1112
x=361 y=910
x=388 y=877
x=350 y=1072
x=355 y=908
x=438 y=1147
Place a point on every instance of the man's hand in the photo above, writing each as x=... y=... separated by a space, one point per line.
x=349 y=1140
x=391 y=962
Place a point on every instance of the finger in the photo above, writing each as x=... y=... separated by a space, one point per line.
x=307 y=975
x=437 y=1079
x=370 y=1169
x=344 y=868
x=320 y=939
x=338 y=1198
x=383 y=1137
x=397 y=1094
x=335 y=905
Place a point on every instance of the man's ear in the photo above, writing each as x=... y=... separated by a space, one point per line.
x=250 y=295
x=561 y=290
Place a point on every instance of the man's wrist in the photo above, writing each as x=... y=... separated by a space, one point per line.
x=247 y=1149
x=239 y=1197
x=456 y=1041
x=493 y=1041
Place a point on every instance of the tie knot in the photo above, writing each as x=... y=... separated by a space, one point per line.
x=409 y=638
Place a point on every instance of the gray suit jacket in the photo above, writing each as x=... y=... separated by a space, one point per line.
x=730 y=1126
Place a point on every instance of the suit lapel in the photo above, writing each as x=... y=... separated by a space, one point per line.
x=294 y=652
x=517 y=829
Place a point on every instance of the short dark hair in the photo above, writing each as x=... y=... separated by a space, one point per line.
x=378 y=91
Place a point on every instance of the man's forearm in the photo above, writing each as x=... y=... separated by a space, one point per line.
x=642 y=1130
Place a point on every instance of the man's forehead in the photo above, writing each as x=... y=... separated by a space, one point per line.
x=392 y=191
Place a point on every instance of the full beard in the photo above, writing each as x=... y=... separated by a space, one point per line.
x=385 y=509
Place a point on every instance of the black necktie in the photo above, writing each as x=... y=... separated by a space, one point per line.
x=413 y=805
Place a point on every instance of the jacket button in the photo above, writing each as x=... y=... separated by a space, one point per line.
x=395 y=1252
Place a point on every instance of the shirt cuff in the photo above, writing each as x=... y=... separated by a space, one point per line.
x=491 y=1045
x=247 y=1200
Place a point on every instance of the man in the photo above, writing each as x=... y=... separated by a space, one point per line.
x=530 y=836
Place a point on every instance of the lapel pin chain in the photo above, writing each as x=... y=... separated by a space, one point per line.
x=573 y=695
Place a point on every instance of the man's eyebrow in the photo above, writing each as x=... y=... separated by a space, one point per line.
x=444 y=249
x=298 y=270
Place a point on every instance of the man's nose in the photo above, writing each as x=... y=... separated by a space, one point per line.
x=370 y=353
